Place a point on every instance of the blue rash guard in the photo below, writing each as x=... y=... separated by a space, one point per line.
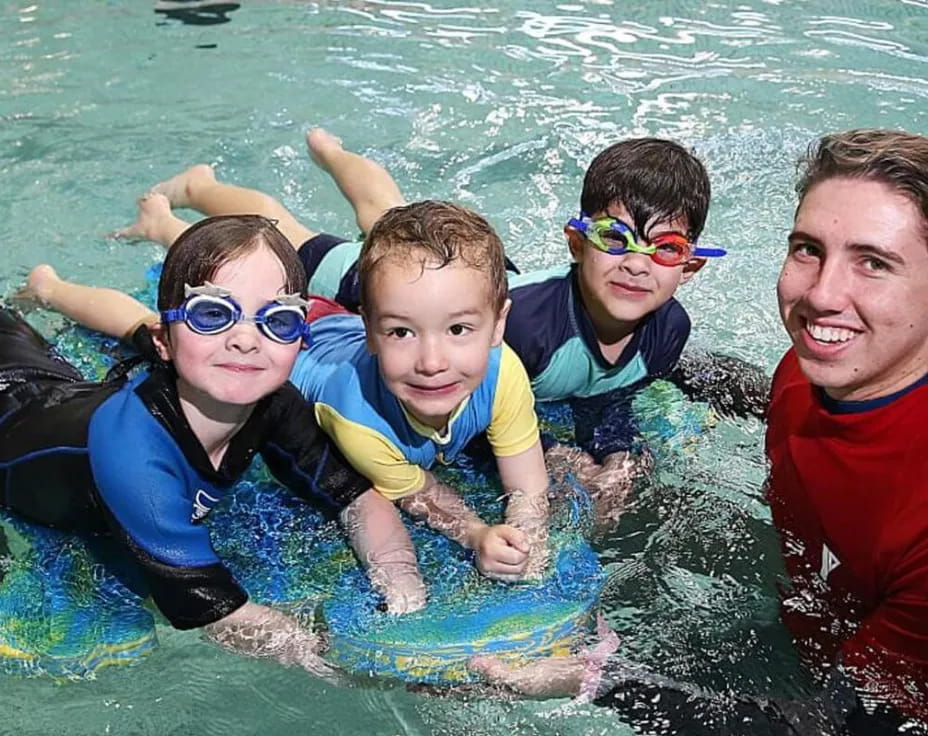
x=549 y=329
x=119 y=458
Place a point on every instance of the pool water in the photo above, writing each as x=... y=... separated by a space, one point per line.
x=501 y=109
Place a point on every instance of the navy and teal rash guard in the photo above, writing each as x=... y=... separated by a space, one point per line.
x=119 y=457
x=551 y=331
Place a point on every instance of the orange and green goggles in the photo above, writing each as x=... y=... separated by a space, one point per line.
x=612 y=235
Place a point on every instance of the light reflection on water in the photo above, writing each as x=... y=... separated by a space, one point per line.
x=500 y=108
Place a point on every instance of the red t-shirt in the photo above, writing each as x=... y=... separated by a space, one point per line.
x=848 y=491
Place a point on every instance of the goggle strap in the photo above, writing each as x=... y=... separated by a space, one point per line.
x=578 y=224
x=709 y=252
x=174 y=315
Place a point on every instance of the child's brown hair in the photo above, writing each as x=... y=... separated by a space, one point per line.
x=204 y=248
x=435 y=234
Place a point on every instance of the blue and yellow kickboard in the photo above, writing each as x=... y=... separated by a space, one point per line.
x=468 y=617
x=299 y=556
x=63 y=614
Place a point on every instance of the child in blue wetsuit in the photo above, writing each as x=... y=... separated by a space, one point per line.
x=144 y=459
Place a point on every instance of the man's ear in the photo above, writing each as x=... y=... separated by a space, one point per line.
x=690 y=268
x=574 y=242
x=161 y=340
x=500 y=328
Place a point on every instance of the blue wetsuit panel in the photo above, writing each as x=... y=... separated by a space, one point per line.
x=129 y=448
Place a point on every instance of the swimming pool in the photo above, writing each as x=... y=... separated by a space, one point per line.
x=501 y=109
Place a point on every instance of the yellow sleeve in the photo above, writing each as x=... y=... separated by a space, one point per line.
x=371 y=454
x=513 y=426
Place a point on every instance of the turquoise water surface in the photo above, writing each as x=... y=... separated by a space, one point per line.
x=501 y=109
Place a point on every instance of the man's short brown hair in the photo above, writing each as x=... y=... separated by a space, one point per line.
x=894 y=157
x=434 y=234
x=207 y=246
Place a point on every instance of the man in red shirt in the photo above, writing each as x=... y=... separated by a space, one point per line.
x=847 y=436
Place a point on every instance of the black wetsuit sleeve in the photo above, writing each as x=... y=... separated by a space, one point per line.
x=303 y=458
x=658 y=705
x=189 y=596
x=731 y=386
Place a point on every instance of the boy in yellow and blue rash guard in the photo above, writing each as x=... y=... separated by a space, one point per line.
x=425 y=372
x=355 y=406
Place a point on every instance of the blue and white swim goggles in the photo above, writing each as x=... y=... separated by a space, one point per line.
x=210 y=309
x=615 y=237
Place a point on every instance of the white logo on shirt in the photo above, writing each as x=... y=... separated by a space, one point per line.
x=829 y=562
x=202 y=505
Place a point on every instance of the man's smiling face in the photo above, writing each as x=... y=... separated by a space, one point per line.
x=853 y=290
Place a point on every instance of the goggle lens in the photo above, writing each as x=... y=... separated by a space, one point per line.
x=671 y=249
x=208 y=315
x=285 y=323
x=613 y=237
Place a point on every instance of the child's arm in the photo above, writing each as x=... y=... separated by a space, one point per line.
x=502 y=551
x=610 y=485
x=513 y=435
x=383 y=546
x=260 y=631
x=731 y=386
x=303 y=458
x=525 y=478
x=104 y=310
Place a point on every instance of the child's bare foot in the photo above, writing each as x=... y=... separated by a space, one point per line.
x=177 y=188
x=40 y=285
x=155 y=221
x=367 y=186
x=321 y=144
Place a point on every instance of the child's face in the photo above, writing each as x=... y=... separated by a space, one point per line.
x=240 y=365
x=619 y=290
x=431 y=330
